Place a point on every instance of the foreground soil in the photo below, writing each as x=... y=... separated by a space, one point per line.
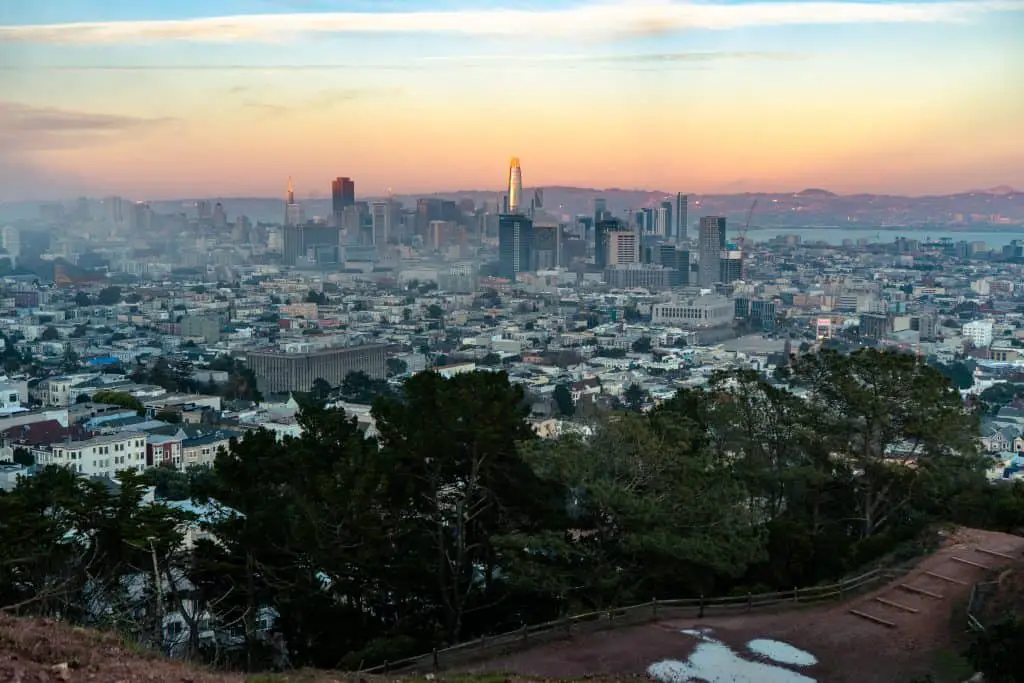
x=44 y=651
x=848 y=648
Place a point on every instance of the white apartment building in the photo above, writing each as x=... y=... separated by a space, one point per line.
x=979 y=332
x=704 y=311
x=56 y=391
x=102 y=456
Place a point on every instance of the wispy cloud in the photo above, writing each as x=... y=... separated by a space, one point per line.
x=324 y=101
x=445 y=62
x=24 y=127
x=585 y=21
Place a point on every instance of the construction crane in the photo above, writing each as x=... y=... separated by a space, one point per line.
x=743 y=242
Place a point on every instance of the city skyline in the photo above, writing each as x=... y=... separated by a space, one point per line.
x=225 y=98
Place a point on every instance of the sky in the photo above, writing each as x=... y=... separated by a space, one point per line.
x=159 y=99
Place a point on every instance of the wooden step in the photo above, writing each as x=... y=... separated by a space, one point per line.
x=921 y=591
x=873 y=618
x=969 y=563
x=995 y=553
x=890 y=603
x=948 y=578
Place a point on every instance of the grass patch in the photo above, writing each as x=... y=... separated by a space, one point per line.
x=951 y=667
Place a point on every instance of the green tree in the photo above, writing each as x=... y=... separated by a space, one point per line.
x=70 y=545
x=635 y=397
x=109 y=296
x=49 y=334
x=998 y=652
x=321 y=391
x=396 y=366
x=23 y=456
x=454 y=442
x=563 y=400
x=642 y=345
x=646 y=514
x=119 y=398
x=70 y=362
x=880 y=411
x=359 y=387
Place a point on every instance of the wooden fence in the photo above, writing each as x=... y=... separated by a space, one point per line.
x=489 y=647
x=980 y=592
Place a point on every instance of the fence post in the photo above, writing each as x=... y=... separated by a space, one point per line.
x=611 y=616
x=654 y=607
x=750 y=601
x=796 y=594
x=437 y=665
x=568 y=625
x=526 y=635
x=385 y=666
x=842 y=588
x=700 y=614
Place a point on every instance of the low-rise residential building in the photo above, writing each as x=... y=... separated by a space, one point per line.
x=101 y=456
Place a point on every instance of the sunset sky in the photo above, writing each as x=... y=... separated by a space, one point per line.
x=156 y=99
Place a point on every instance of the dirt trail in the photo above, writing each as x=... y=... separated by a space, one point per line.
x=849 y=648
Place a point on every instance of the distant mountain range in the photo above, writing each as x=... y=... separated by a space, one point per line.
x=1001 y=207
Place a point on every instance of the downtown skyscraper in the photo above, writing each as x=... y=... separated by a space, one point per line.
x=710 y=251
x=682 y=206
x=515 y=230
x=515 y=187
x=343 y=194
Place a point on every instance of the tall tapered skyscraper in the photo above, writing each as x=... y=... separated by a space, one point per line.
x=515 y=186
x=292 y=211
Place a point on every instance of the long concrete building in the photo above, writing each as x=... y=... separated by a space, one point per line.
x=278 y=372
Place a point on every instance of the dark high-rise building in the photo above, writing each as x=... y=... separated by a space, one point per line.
x=311 y=243
x=648 y=224
x=601 y=230
x=710 y=244
x=682 y=206
x=721 y=232
x=546 y=246
x=343 y=193
x=730 y=268
x=763 y=314
x=666 y=228
x=291 y=244
x=678 y=261
x=601 y=210
x=515 y=245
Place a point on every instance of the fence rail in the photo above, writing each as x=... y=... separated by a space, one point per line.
x=980 y=592
x=528 y=636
